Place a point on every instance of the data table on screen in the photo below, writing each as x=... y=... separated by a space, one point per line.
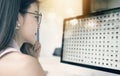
x=93 y=41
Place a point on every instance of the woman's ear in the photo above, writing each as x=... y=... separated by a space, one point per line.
x=20 y=19
x=18 y=25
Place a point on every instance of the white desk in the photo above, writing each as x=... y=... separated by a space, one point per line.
x=54 y=68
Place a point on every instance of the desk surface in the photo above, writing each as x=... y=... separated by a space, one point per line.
x=53 y=67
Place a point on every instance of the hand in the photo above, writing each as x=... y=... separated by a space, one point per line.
x=36 y=49
x=33 y=50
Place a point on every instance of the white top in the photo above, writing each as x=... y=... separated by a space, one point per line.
x=12 y=47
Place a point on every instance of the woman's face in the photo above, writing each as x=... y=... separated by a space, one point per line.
x=29 y=24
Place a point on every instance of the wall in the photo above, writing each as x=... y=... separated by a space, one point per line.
x=54 y=11
x=98 y=5
x=113 y=3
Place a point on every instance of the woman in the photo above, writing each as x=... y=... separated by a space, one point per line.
x=18 y=24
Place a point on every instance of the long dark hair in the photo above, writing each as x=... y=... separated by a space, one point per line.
x=9 y=10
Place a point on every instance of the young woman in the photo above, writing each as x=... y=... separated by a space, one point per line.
x=19 y=20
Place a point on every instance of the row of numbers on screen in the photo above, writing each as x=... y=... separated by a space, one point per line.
x=94 y=41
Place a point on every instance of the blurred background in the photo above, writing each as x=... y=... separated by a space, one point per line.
x=54 y=12
x=51 y=29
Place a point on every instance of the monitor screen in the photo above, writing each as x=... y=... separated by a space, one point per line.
x=93 y=41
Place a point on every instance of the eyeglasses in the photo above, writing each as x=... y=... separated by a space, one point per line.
x=38 y=16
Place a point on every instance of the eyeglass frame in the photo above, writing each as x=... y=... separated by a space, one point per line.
x=39 y=16
x=39 y=21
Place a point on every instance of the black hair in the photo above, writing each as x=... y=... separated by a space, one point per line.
x=26 y=47
x=25 y=4
x=9 y=10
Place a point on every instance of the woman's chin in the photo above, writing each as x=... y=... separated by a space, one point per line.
x=31 y=41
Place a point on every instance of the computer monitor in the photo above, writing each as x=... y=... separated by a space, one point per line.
x=93 y=41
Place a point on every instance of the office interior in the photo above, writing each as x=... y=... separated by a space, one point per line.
x=54 y=13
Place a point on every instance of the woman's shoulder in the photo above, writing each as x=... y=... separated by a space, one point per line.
x=17 y=57
x=21 y=65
